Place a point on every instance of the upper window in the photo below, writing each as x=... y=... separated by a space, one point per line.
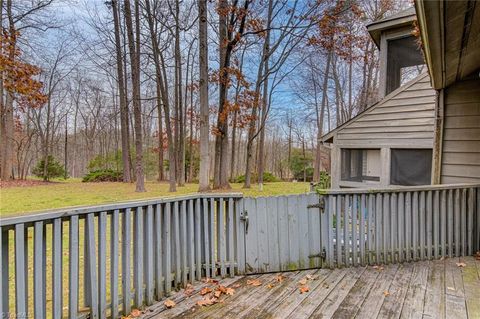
x=411 y=167
x=360 y=165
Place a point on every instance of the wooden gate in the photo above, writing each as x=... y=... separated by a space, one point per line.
x=283 y=233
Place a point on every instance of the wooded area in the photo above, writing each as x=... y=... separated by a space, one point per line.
x=181 y=91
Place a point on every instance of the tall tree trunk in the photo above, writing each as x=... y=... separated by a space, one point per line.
x=179 y=104
x=320 y=116
x=263 y=119
x=161 y=80
x=134 y=49
x=122 y=96
x=203 y=91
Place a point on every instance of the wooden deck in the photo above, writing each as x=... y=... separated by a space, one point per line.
x=428 y=289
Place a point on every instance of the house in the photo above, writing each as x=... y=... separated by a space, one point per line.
x=450 y=31
x=391 y=142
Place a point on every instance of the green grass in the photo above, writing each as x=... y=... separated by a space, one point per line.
x=59 y=194
x=24 y=200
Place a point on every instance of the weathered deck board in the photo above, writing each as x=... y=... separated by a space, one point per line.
x=427 y=289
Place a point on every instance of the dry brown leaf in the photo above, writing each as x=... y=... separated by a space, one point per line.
x=217 y=293
x=304 y=289
x=169 y=303
x=222 y=289
x=303 y=281
x=230 y=291
x=311 y=277
x=450 y=288
x=386 y=293
x=461 y=264
x=207 y=301
x=205 y=291
x=477 y=255
x=279 y=278
x=254 y=282
x=236 y=286
x=135 y=313
x=188 y=290
x=210 y=281
x=379 y=268
x=270 y=286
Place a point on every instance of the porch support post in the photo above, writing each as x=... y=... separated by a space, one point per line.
x=438 y=138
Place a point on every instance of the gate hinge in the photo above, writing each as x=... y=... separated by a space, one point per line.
x=321 y=205
x=322 y=255
x=244 y=218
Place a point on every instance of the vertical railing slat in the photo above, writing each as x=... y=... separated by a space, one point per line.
x=198 y=240
x=436 y=222
x=20 y=263
x=401 y=226
x=73 y=267
x=457 y=229
x=422 y=225
x=378 y=228
x=386 y=225
x=331 y=215
x=230 y=238
x=92 y=269
x=408 y=226
x=338 y=230
x=102 y=264
x=371 y=229
x=191 y=241
x=138 y=257
x=443 y=222
x=429 y=225
x=126 y=261
x=167 y=248
x=450 y=223
x=114 y=227
x=176 y=244
x=470 y=212
x=393 y=227
x=149 y=255
x=362 y=233
x=57 y=269
x=206 y=239
x=221 y=236
x=346 y=230
x=4 y=272
x=354 y=229
x=213 y=244
x=183 y=241
x=39 y=271
x=463 y=222
x=159 y=283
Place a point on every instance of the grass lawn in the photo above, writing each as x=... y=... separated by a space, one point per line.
x=27 y=199
x=16 y=200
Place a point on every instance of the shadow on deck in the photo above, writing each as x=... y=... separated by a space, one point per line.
x=428 y=289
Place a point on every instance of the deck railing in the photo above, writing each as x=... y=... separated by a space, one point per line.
x=395 y=225
x=103 y=261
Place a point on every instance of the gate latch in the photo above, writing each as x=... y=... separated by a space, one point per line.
x=321 y=205
x=244 y=218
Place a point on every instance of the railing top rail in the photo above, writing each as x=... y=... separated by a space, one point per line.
x=395 y=189
x=83 y=210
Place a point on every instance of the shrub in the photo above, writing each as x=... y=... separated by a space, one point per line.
x=267 y=178
x=54 y=168
x=103 y=175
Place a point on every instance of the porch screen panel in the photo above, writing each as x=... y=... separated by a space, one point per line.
x=411 y=167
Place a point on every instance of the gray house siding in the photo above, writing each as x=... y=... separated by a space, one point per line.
x=461 y=133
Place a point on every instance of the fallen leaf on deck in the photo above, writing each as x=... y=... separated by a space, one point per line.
x=279 y=278
x=477 y=255
x=379 y=268
x=135 y=313
x=303 y=281
x=205 y=291
x=230 y=291
x=210 y=281
x=169 y=303
x=270 y=286
x=188 y=290
x=386 y=293
x=450 y=288
x=207 y=301
x=236 y=286
x=461 y=264
x=311 y=277
x=217 y=293
x=304 y=289
x=254 y=282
